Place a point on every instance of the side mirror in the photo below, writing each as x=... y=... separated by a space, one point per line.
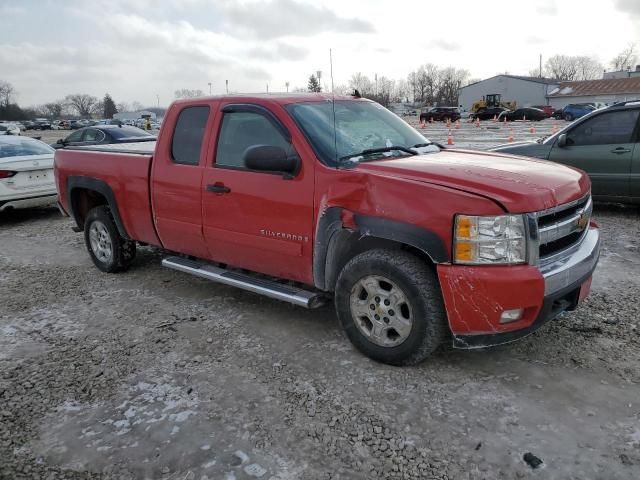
x=268 y=158
x=562 y=140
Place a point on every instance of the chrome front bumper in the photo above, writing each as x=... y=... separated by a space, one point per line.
x=576 y=264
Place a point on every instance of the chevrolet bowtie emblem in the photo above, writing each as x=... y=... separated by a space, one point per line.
x=583 y=220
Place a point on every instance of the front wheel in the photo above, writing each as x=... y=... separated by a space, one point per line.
x=568 y=117
x=390 y=306
x=108 y=250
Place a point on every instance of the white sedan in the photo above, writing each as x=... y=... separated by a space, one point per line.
x=26 y=173
x=9 y=129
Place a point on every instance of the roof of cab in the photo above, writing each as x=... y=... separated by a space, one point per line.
x=281 y=98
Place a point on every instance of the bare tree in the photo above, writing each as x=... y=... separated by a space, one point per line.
x=562 y=67
x=401 y=91
x=362 y=83
x=589 y=68
x=626 y=58
x=451 y=80
x=53 y=109
x=82 y=103
x=6 y=93
x=187 y=93
x=123 y=107
x=136 y=106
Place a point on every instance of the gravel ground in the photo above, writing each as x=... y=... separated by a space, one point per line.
x=156 y=374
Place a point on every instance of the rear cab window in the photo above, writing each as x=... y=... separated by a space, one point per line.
x=186 y=144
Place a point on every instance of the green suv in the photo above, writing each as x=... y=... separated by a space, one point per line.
x=603 y=143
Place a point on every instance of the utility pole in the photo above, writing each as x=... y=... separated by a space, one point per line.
x=267 y=88
x=158 y=99
x=286 y=84
x=319 y=75
x=540 y=65
x=226 y=82
x=209 y=88
x=376 y=77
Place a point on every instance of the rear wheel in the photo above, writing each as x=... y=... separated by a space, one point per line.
x=390 y=306
x=568 y=117
x=108 y=250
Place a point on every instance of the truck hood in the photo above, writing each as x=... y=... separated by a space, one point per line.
x=519 y=184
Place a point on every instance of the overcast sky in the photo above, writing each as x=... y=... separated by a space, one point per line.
x=137 y=49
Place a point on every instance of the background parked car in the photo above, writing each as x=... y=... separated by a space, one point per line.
x=576 y=110
x=603 y=143
x=488 y=113
x=525 y=113
x=42 y=124
x=440 y=114
x=9 y=129
x=547 y=109
x=26 y=173
x=104 y=134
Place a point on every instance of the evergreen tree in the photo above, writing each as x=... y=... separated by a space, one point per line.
x=314 y=84
x=109 y=106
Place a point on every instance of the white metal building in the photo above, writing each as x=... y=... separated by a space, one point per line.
x=606 y=91
x=135 y=115
x=526 y=91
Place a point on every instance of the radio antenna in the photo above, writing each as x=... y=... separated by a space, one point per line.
x=333 y=106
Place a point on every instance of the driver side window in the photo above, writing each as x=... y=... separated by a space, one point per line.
x=242 y=130
x=608 y=128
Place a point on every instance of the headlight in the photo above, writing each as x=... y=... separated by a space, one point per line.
x=489 y=240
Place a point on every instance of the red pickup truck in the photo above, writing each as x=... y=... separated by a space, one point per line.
x=305 y=198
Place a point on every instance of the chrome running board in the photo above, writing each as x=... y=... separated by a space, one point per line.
x=266 y=287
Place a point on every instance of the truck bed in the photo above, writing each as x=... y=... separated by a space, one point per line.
x=124 y=168
x=133 y=148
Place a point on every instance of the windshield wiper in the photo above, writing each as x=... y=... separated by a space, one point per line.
x=371 y=151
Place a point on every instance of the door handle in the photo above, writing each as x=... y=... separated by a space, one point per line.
x=218 y=188
x=620 y=150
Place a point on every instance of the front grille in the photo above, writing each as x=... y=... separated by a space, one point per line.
x=562 y=227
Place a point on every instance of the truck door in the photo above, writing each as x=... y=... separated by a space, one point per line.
x=261 y=221
x=177 y=179
x=602 y=146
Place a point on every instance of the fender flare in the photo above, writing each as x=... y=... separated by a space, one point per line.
x=101 y=187
x=331 y=236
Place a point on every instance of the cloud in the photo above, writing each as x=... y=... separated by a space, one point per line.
x=534 y=39
x=6 y=10
x=281 y=18
x=547 y=8
x=632 y=7
x=279 y=52
x=445 y=45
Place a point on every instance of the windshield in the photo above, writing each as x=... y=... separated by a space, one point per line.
x=19 y=146
x=359 y=126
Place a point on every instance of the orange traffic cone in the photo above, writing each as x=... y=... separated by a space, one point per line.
x=449 y=138
x=510 y=139
x=422 y=124
x=532 y=129
x=477 y=122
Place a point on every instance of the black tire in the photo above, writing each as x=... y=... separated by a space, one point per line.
x=109 y=251
x=568 y=117
x=419 y=284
